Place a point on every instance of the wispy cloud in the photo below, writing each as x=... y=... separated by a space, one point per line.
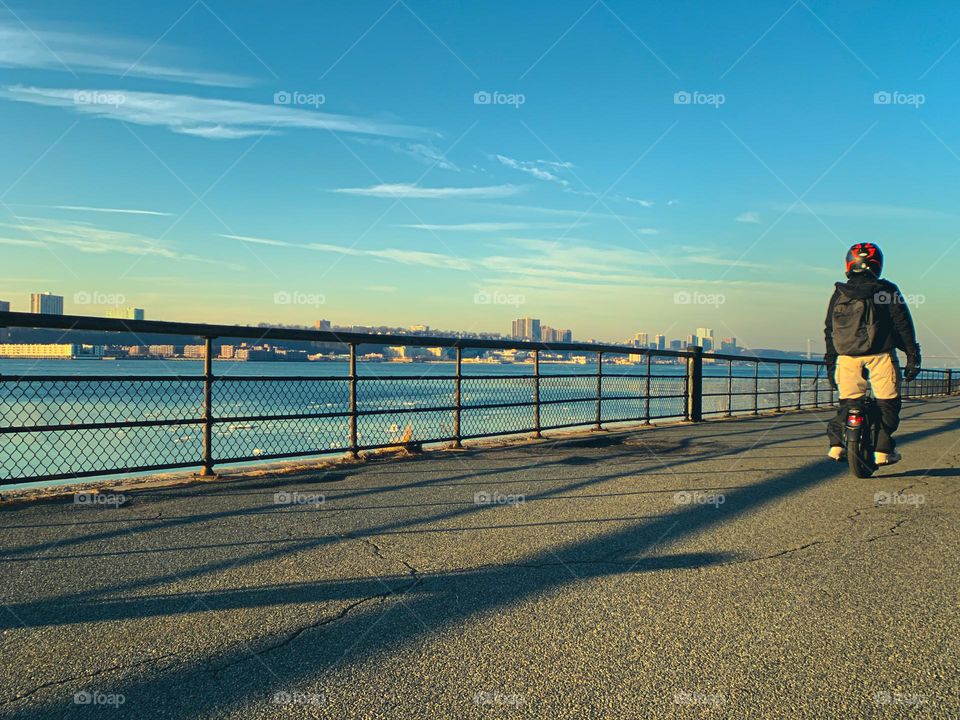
x=424 y=153
x=865 y=210
x=648 y=231
x=397 y=255
x=751 y=216
x=487 y=226
x=408 y=190
x=119 y=211
x=201 y=117
x=40 y=48
x=540 y=169
x=88 y=238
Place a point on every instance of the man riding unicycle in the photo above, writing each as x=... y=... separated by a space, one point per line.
x=867 y=322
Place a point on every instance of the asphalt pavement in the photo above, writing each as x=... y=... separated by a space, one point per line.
x=726 y=569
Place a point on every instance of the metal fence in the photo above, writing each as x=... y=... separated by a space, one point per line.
x=59 y=427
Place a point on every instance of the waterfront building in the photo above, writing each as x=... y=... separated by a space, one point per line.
x=526 y=328
x=46 y=304
x=126 y=313
x=660 y=342
x=50 y=351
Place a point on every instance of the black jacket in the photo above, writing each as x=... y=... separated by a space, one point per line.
x=896 y=324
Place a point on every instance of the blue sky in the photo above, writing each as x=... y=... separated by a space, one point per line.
x=606 y=166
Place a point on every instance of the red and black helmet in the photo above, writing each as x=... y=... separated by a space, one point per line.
x=865 y=258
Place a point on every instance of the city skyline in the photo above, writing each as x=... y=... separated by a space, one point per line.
x=270 y=188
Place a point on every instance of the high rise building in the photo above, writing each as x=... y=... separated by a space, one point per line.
x=4 y=333
x=323 y=325
x=566 y=336
x=46 y=304
x=676 y=344
x=692 y=341
x=660 y=342
x=126 y=313
x=526 y=329
x=4 y=306
x=641 y=340
x=728 y=345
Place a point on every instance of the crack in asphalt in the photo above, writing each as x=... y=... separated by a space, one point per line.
x=85 y=676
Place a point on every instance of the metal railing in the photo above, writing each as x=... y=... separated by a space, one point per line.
x=60 y=427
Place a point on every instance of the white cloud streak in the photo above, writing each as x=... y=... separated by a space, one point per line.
x=408 y=190
x=201 y=117
x=39 y=48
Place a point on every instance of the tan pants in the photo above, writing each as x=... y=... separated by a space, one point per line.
x=884 y=372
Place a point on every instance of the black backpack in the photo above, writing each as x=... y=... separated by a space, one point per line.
x=855 y=325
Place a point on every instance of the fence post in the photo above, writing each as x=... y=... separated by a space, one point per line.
x=354 y=446
x=756 y=387
x=816 y=387
x=457 y=402
x=779 y=386
x=536 y=394
x=800 y=386
x=949 y=382
x=599 y=423
x=208 y=470
x=646 y=412
x=695 y=384
x=730 y=388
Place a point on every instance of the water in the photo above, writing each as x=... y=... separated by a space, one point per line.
x=247 y=391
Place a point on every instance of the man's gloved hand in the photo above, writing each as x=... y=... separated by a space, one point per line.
x=912 y=371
